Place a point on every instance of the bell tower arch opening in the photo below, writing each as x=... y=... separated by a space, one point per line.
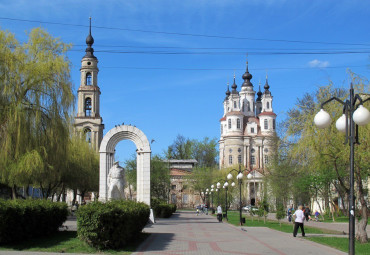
x=143 y=154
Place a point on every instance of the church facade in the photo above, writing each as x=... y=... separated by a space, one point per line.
x=248 y=127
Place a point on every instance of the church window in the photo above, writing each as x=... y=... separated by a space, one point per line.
x=266 y=124
x=253 y=160
x=88 y=107
x=239 y=159
x=222 y=129
x=252 y=130
x=230 y=160
x=229 y=122
x=238 y=123
x=266 y=159
x=173 y=186
x=234 y=104
x=249 y=107
x=268 y=105
x=88 y=79
x=87 y=133
x=274 y=124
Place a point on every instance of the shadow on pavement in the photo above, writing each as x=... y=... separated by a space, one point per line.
x=157 y=242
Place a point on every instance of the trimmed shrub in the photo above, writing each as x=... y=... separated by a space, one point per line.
x=23 y=219
x=164 y=210
x=112 y=224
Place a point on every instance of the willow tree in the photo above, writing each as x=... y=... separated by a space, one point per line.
x=82 y=169
x=322 y=152
x=36 y=98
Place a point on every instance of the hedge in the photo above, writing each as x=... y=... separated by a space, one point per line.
x=23 y=219
x=161 y=209
x=112 y=224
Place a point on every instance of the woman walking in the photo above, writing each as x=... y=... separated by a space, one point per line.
x=299 y=219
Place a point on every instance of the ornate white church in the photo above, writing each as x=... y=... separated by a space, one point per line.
x=247 y=130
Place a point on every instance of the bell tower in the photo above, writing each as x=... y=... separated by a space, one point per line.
x=88 y=121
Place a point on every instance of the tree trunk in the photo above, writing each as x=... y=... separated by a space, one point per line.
x=14 y=192
x=361 y=234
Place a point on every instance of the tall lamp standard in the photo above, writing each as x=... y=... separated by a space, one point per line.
x=226 y=184
x=352 y=115
x=212 y=186
x=239 y=177
x=250 y=176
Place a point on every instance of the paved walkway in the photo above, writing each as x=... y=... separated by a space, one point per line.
x=186 y=233
x=341 y=227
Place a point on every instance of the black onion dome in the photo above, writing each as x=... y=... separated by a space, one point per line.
x=247 y=78
x=234 y=86
x=89 y=41
x=227 y=92
x=267 y=86
x=259 y=94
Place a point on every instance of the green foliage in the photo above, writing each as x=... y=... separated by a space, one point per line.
x=23 y=219
x=280 y=212
x=36 y=100
x=159 y=176
x=161 y=209
x=205 y=151
x=112 y=224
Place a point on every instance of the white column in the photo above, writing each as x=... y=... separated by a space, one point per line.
x=103 y=177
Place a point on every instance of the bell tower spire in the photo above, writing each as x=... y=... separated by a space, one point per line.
x=88 y=120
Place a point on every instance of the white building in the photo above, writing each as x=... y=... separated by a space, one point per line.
x=247 y=130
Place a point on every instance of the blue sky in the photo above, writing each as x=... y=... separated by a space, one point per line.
x=182 y=93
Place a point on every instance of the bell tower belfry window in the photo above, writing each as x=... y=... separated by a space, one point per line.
x=88 y=121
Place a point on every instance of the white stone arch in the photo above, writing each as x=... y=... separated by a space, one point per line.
x=107 y=150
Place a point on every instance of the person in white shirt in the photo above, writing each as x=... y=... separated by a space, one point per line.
x=299 y=219
x=219 y=213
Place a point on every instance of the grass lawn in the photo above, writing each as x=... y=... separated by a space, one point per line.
x=342 y=244
x=338 y=220
x=67 y=241
x=285 y=227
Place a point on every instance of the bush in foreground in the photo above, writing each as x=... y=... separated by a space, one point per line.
x=112 y=224
x=161 y=209
x=23 y=219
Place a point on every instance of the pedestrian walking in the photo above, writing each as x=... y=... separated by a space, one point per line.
x=307 y=213
x=219 y=213
x=298 y=222
x=289 y=213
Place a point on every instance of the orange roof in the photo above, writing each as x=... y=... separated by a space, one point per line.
x=267 y=113
x=179 y=172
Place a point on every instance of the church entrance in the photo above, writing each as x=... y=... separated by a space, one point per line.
x=143 y=152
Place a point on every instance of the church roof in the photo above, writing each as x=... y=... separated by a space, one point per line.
x=267 y=114
x=234 y=113
x=222 y=119
x=179 y=172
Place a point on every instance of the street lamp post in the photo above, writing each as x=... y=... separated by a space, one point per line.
x=212 y=186
x=353 y=115
x=226 y=184
x=239 y=177
x=250 y=176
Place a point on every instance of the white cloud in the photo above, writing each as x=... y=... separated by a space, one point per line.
x=318 y=63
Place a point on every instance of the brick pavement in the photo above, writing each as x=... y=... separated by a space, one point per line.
x=187 y=233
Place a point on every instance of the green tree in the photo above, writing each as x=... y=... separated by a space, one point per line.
x=280 y=212
x=204 y=151
x=321 y=153
x=159 y=176
x=36 y=99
